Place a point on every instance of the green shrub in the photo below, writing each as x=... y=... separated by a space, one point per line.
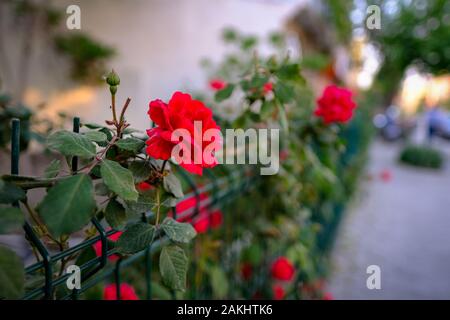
x=422 y=156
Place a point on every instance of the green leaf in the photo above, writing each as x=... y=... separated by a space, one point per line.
x=95 y=136
x=177 y=231
x=173 y=264
x=11 y=219
x=12 y=275
x=141 y=170
x=115 y=214
x=283 y=119
x=71 y=144
x=131 y=144
x=160 y=292
x=172 y=185
x=53 y=169
x=289 y=72
x=283 y=93
x=219 y=282
x=225 y=93
x=92 y=125
x=10 y=193
x=135 y=238
x=101 y=190
x=144 y=203
x=68 y=205
x=119 y=180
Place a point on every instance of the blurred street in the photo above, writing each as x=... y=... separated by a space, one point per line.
x=399 y=221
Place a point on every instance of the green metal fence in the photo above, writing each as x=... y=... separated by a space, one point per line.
x=222 y=189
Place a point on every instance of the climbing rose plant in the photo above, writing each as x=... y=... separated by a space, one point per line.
x=112 y=177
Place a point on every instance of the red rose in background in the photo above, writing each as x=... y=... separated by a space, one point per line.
x=98 y=246
x=126 y=292
x=278 y=292
x=268 y=87
x=144 y=186
x=335 y=105
x=386 y=175
x=217 y=84
x=328 y=296
x=205 y=218
x=282 y=269
x=246 y=271
x=208 y=219
x=180 y=113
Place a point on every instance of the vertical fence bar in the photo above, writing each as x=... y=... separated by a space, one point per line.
x=76 y=129
x=148 y=265
x=15 y=155
x=15 y=146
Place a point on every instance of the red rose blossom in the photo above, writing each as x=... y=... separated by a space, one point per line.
x=282 y=269
x=126 y=292
x=328 y=296
x=268 y=87
x=335 y=105
x=144 y=186
x=217 y=84
x=98 y=246
x=182 y=112
x=246 y=271
x=386 y=175
x=278 y=292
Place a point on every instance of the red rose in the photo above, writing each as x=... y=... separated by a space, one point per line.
x=328 y=296
x=282 y=269
x=183 y=115
x=278 y=292
x=386 y=175
x=335 y=105
x=126 y=292
x=98 y=246
x=268 y=87
x=246 y=271
x=208 y=219
x=216 y=219
x=144 y=186
x=217 y=84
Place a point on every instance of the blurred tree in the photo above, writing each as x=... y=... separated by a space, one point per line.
x=414 y=32
x=32 y=19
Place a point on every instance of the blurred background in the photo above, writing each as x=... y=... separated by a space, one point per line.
x=399 y=218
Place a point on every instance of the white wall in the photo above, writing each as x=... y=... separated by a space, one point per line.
x=159 y=44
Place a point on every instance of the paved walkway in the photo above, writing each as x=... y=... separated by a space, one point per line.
x=401 y=224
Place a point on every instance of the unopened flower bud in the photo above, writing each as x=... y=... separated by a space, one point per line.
x=113 y=89
x=113 y=79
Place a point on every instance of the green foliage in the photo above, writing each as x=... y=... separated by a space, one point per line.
x=87 y=56
x=422 y=156
x=11 y=275
x=173 y=264
x=131 y=144
x=10 y=193
x=11 y=219
x=53 y=169
x=177 y=231
x=136 y=237
x=115 y=214
x=119 y=180
x=71 y=144
x=173 y=186
x=68 y=206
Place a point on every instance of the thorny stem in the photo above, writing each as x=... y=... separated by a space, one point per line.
x=124 y=109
